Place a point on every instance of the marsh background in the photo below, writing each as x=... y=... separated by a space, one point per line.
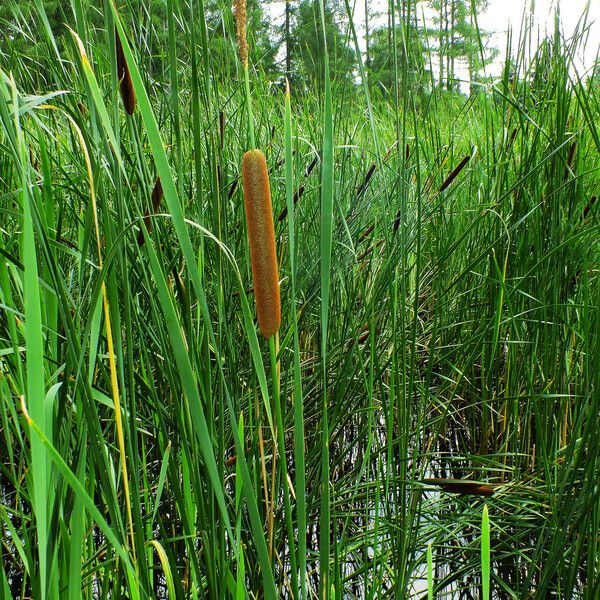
x=438 y=255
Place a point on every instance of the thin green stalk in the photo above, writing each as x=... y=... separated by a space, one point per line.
x=299 y=440
x=325 y=257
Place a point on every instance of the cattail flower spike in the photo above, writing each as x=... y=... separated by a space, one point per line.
x=261 y=238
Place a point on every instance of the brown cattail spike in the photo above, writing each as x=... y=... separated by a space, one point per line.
x=311 y=166
x=366 y=232
x=157 y=196
x=261 y=237
x=570 y=158
x=588 y=208
x=232 y=189
x=222 y=128
x=239 y=8
x=125 y=82
x=298 y=193
x=363 y=186
x=461 y=165
x=462 y=487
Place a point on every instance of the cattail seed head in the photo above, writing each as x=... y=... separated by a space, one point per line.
x=588 y=208
x=157 y=196
x=239 y=8
x=461 y=165
x=261 y=237
x=222 y=128
x=570 y=158
x=125 y=82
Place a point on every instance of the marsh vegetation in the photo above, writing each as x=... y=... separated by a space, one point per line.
x=438 y=351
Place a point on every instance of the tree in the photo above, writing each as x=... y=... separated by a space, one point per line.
x=457 y=38
x=410 y=49
x=289 y=11
x=307 y=45
x=21 y=22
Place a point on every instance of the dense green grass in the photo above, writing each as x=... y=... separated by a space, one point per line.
x=430 y=329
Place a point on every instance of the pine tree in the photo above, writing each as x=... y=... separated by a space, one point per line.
x=457 y=38
x=307 y=44
x=410 y=58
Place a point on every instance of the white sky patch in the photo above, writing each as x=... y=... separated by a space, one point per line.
x=500 y=17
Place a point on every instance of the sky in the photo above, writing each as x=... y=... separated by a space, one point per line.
x=498 y=18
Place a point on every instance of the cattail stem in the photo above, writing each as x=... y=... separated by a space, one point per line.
x=276 y=449
x=261 y=238
x=249 y=107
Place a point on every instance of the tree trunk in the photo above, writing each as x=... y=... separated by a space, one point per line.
x=441 y=46
x=367 y=34
x=452 y=43
x=447 y=42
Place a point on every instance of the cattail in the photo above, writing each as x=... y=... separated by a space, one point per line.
x=363 y=186
x=232 y=189
x=369 y=250
x=35 y=163
x=298 y=193
x=222 y=128
x=157 y=196
x=311 y=166
x=366 y=232
x=125 y=82
x=462 y=487
x=261 y=237
x=397 y=221
x=364 y=333
x=570 y=158
x=461 y=165
x=588 y=208
x=388 y=154
x=239 y=8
